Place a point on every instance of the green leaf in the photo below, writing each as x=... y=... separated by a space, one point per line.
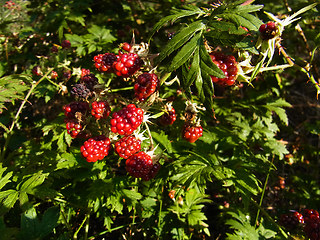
x=190 y=10
x=207 y=64
x=34 y=181
x=5 y=179
x=180 y=38
x=23 y=198
x=185 y=53
x=49 y=221
x=194 y=69
x=67 y=160
x=162 y=138
x=132 y=194
x=29 y=225
x=62 y=146
x=10 y=198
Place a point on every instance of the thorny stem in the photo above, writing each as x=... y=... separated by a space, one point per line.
x=16 y=117
x=159 y=217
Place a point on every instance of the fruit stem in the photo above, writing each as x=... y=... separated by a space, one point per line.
x=150 y=136
x=159 y=218
x=16 y=117
x=121 y=89
x=263 y=191
x=75 y=235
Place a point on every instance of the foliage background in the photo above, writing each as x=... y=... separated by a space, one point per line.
x=227 y=185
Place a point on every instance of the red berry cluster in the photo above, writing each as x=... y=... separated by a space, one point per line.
x=127 y=64
x=146 y=84
x=73 y=127
x=104 y=62
x=191 y=132
x=169 y=116
x=65 y=44
x=128 y=119
x=292 y=220
x=312 y=224
x=140 y=165
x=268 y=30
x=228 y=64
x=100 y=109
x=96 y=148
x=84 y=72
x=127 y=146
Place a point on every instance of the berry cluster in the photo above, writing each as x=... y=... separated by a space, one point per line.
x=229 y=66
x=85 y=87
x=191 y=132
x=146 y=84
x=268 y=30
x=128 y=119
x=127 y=64
x=312 y=224
x=104 y=62
x=95 y=148
x=292 y=220
x=140 y=165
x=169 y=116
x=127 y=146
x=100 y=109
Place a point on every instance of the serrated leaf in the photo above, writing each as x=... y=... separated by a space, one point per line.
x=148 y=203
x=180 y=38
x=207 y=64
x=5 y=179
x=191 y=10
x=67 y=160
x=185 y=53
x=194 y=69
x=30 y=225
x=34 y=181
x=23 y=198
x=62 y=146
x=162 y=138
x=10 y=199
x=132 y=194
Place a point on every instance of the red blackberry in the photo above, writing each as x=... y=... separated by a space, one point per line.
x=36 y=71
x=66 y=74
x=146 y=84
x=74 y=128
x=100 y=109
x=140 y=165
x=191 y=133
x=80 y=90
x=126 y=46
x=292 y=220
x=127 y=64
x=310 y=214
x=54 y=49
x=84 y=72
x=89 y=80
x=65 y=44
x=75 y=110
x=103 y=62
x=169 y=116
x=127 y=146
x=268 y=30
x=128 y=119
x=54 y=75
x=228 y=64
x=95 y=148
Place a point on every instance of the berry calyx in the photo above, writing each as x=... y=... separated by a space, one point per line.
x=169 y=116
x=127 y=64
x=191 y=133
x=128 y=119
x=95 y=148
x=146 y=84
x=75 y=110
x=268 y=30
x=100 y=109
x=140 y=165
x=104 y=62
x=127 y=146
x=229 y=66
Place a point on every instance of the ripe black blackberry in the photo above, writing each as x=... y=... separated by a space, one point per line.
x=89 y=81
x=103 y=62
x=291 y=220
x=79 y=90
